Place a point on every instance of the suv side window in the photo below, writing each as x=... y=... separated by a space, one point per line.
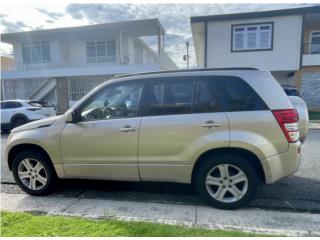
x=168 y=96
x=234 y=94
x=8 y=105
x=119 y=100
x=205 y=100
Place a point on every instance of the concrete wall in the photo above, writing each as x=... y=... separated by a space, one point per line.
x=77 y=53
x=286 y=45
x=54 y=52
x=72 y=53
x=6 y=63
x=310 y=89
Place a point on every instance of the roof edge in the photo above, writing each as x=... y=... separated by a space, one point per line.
x=83 y=27
x=259 y=14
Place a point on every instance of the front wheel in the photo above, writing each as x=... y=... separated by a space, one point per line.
x=19 y=121
x=227 y=181
x=33 y=173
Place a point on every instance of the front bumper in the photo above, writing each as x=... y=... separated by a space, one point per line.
x=282 y=165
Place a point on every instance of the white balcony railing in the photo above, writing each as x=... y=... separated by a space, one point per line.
x=89 y=62
x=312 y=48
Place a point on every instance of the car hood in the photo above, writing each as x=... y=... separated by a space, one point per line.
x=37 y=124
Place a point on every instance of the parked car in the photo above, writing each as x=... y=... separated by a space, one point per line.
x=15 y=113
x=291 y=90
x=301 y=107
x=218 y=129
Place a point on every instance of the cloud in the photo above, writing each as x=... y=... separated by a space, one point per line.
x=52 y=15
x=6 y=50
x=12 y=26
x=175 y=19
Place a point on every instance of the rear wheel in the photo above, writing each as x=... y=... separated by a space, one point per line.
x=18 y=121
x=227 y=181
x=33 y=173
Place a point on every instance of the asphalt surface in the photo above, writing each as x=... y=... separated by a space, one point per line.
x=297 y=193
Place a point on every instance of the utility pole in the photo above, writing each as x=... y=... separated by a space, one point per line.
x=186 y=57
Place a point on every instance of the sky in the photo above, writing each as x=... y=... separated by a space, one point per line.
x=175 y=18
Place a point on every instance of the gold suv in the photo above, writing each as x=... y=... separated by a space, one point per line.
x=223 y=130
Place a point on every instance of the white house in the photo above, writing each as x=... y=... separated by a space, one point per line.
x=61 y=65
x=286 y=42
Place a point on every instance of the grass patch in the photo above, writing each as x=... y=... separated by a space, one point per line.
x=27 y=225
x=314 y=115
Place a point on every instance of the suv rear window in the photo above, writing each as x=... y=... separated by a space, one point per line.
x=233 y=94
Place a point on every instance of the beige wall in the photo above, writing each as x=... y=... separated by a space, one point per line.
x=286 y=45
x=306 y=37
x=6 y=63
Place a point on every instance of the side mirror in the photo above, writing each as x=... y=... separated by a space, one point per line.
x=72 y=117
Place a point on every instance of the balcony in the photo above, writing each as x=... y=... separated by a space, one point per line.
x=83 y=67
x=311 y=54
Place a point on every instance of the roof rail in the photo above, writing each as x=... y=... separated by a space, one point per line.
x=186 y=70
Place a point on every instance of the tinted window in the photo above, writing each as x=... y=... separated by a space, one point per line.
x=234 y=94
x=168 y=96
x=291 y=92
x=115 y=101
x=204 y=97
x=8 y=105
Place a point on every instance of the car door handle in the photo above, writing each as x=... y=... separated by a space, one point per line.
x=211 y=124
x=127 y=129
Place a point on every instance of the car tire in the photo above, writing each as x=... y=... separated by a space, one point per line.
x=225 y=192
x=18 y=121
x=34 y=173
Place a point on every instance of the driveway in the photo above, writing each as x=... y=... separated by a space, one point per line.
x=297 y=193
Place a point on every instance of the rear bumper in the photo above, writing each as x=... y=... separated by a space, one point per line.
x=282 y=165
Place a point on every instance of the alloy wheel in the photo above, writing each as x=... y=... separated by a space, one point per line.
x=226 y=183
x=32 y=174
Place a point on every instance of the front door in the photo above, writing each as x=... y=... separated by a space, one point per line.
x=104 y=144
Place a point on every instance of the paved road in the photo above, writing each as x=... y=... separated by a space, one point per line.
x=300 y=193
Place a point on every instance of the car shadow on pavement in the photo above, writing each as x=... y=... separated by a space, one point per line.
x=293 y=193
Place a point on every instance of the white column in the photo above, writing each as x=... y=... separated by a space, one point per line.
x=120 y=52
x=159 y=46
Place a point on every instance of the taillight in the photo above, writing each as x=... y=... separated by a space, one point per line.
x=288 y=120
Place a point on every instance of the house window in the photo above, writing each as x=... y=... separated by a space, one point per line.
x=314 y=46
x=252 y=37
x=36 y=52
x=101 y=51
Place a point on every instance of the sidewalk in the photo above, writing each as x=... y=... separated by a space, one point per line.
x=314 y=125
x=250 y=220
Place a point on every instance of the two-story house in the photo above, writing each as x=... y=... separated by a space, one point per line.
x=285 y=42
x=62 y=65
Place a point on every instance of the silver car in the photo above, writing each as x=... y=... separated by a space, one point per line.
x=224 y=130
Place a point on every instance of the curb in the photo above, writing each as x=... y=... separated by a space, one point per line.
x=246 y=220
